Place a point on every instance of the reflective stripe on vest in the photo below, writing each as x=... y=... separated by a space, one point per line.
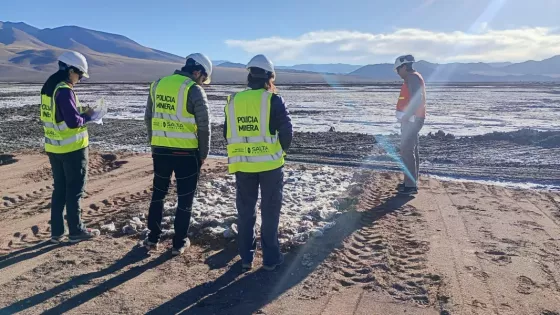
x=171 y=134
x=256 y=159
x=404 y=100
x=59 y=138
x=60 y=127
x=251 y=148
x=67 y=141
x=256 y=139
x=172 y=125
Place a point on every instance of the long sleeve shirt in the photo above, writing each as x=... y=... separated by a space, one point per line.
x=197 y=105
x=67 y=111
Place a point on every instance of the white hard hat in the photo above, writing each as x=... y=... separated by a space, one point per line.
x=262 y=62
x=403 y=59
x=204 y=61
x=76 y=60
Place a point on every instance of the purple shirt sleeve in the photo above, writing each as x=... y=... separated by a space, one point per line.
x=66 y=109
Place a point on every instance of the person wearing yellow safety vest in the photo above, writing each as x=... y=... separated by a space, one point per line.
x=258 y=131
x=411 y=113
x=66 y=144
x=179 y=133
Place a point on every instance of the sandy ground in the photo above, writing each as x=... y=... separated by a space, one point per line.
x=457 y=248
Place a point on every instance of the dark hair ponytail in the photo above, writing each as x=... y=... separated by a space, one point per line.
x=191 y=66
x=55 y=79
x=261 y=79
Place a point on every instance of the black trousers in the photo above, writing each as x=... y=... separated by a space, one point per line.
x=69 y=172
x=186 y=167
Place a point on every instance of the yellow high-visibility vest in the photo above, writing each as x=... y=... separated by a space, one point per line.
x=250 y=145
x=59 y=138
x=172 y=125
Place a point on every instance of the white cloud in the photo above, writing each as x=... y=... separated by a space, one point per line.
x=348 y=46
x=428 y=3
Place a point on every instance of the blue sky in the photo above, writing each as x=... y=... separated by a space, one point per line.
x=351 y=31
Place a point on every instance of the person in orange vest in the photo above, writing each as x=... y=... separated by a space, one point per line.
x=411 y=113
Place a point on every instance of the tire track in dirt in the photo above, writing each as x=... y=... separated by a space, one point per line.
x=447 y=257
x=538 y=221
x=513 y=247
x=28 y=227
x=19 y=189
x=131 y=182
x=39 y=182
x=384 y=254
x=496 y=256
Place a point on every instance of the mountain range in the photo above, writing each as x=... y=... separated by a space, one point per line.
x=29 y=54
x=546 y=70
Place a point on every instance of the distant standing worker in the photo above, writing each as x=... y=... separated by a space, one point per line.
x=179 y=133
x=66 y=143
x=258 y=131
x=411 y=112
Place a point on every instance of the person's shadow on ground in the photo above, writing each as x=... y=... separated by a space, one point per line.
x=223 y=257
x=230 y=294
x=27 y=253
x=134 y=256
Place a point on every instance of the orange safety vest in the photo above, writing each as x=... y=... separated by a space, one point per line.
x=404 y=99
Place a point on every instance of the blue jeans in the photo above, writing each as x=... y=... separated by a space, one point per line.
x=271 y=184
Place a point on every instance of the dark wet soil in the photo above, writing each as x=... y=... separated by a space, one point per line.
x=520 y=156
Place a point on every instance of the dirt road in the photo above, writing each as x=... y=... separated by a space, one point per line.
x=457 y=248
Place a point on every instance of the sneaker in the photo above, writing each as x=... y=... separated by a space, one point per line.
x=86 y=234
x=247 y=267
x=274 y=266
x=179 y=251
x=150 y=245
x=408 y=191
x=56 y=239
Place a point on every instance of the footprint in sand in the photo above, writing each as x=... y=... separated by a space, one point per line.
x=10 y=199
x=529 y=225
x=525 y=285
x=496 y=256
x=478 y=304
x=421 y=299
